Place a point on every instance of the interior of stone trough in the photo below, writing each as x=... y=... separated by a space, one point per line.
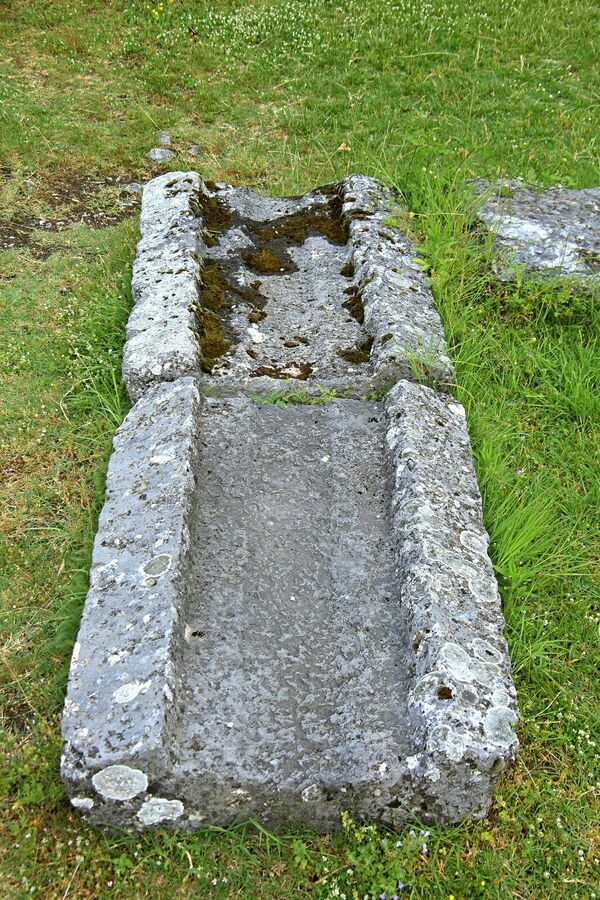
x=277 y=299
x=293 y=665
x=293 y=625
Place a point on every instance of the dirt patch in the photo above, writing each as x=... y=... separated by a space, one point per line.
x=297 y=371
x=81 y=199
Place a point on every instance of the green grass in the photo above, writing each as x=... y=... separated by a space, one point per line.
x=424 y=94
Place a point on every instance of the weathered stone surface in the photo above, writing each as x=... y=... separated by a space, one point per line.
x=399 y=312
x=295 y=658
x=347 y=306
x=291 y=610
x=321 y=289
x=124 y=674
x=462 y=703
x=161 y=333
x=160 y=154
x=327 y=633
x=554 y=232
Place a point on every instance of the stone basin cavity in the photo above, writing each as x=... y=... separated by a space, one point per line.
x=292 y=610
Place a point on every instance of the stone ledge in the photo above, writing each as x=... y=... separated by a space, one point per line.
x=123 y=679
x=462 y=703
x=161 y=340
x=399 y=310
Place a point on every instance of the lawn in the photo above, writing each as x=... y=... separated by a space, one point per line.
x=283 y=95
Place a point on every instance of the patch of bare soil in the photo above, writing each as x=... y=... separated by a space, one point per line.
x=76 y=196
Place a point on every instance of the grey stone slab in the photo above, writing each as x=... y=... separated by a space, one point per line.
x=124 y=672
x=553 y=232
x=335 y=637
x=399 y=312
x=462 y=703
x=295 y=661
x=291 y=609
x=161 y=340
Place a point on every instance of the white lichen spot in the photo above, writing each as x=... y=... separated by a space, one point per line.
x=451 y=743
x=157 y=566
x=474 y=542
x=162 y=458
x=157 y=810
x=75 y=656
x=255 y=335
x=128 y=692
x=311 y=793
x=82 y=802
x=120 y=782
x=498 y=723
x=457 y=409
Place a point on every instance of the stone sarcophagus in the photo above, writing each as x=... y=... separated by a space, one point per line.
x=291 y=609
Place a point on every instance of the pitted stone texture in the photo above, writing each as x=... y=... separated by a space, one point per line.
x=462 y=703
x=295 y=675
x=161 y=333
x=377 y=265
x=399 y=311
x=124 y=673
x=307 y=329
x=304 y=619
x=555 y=232
x=303 y=308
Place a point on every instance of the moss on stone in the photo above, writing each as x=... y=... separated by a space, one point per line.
x=257 y=315
x=213 y=342
x=216 y=216
x=354 y=304
x=358 y=353
x=265 y=260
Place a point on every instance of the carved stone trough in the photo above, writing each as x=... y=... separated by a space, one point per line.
x=291 y=610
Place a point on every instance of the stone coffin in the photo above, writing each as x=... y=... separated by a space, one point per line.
x=292 y=610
